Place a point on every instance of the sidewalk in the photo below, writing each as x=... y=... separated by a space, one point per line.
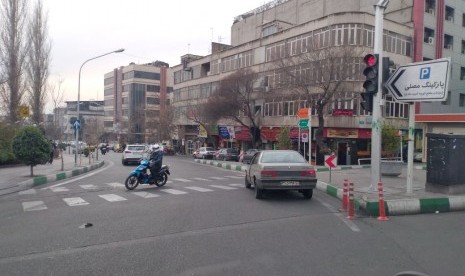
x=17 y=178
x=396 y=199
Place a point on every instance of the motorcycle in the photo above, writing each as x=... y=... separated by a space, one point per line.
x=140 y=176
x=103 y=150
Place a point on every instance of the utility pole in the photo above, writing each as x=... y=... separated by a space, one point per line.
x=376 y=125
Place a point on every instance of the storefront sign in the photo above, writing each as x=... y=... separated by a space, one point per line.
x=341 y=133
x=343 y=112
x=223 y=132
x=270 y=133
x=242 y=133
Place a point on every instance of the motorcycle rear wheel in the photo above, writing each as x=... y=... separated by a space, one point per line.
x=161 y=180
x=131 y=182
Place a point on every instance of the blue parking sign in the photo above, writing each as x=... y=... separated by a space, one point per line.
x=425 y=73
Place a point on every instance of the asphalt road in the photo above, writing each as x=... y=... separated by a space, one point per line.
x=204 y=222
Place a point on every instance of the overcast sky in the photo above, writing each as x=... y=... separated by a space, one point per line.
x=148 y=30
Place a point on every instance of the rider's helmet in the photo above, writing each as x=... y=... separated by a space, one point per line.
x=155 y=147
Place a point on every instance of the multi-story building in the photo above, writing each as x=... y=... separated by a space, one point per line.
x=135 y=96
x=440 y=32
x=280 y=29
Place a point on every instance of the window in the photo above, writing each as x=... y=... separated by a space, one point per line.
x=108 y=91
x=462 y=100
x=463 y=19
x=151 y=100
x=153 y=88
x=462 y=73
x=429 y=36
x=430 y=6
x=448 y=42
x=449 y=16
x=108 y=81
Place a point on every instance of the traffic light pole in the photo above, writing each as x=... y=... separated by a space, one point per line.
x=376 y=124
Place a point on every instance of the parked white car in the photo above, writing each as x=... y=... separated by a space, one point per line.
x=134 y=153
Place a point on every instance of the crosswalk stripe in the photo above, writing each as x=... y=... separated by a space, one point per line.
x=173 y=191
x=28 y=192
x=112 y=197
x=201 y=179
x=182 y=179
x=217 y=178
x=88 y=187
x=236 y=185
x=75 y=201
x=145 y=194
x=234 y=176
x=34 y=206
x=169 y=182
x=59 y=189
x=115 y=184
x=222 y=187
x=199 y=189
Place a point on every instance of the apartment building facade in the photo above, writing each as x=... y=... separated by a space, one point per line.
x=440 y=32
x=135 y=96
x=278 y=29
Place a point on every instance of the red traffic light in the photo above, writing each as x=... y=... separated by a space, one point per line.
x=370 y=60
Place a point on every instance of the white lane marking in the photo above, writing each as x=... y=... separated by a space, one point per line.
x=173 y=191
x=217 y=178
x=199 y=189
x=34 y=206
x=234 y=176
x=236 y=185
x=145 y=194
x=169 y=182
x=75 y=201
x=182 y=179
x=115 y=184
x=81 y=177
x=201 y=179
x=222 y=187
x=59 y=189
x=341 y=216
x=88 y=187
x=28 y=192
x=112 y=197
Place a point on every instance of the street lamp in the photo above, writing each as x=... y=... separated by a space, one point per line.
x=79 y=97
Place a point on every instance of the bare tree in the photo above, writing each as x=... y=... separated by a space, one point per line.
x=166 y=124
x=320 y=78
x=235 y=100
x=56 y=95
x=38 y=61
x=13 y=51
x=200 y=114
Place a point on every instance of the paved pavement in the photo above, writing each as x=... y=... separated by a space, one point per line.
x=18 y=178
x=396 y=199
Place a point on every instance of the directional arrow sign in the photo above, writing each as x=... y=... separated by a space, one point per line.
x=421 y=81
x=329 y=161
x=303 y=123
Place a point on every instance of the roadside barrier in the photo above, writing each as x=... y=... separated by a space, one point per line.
x=345 y=198
x=351 y=201
x=382 y=211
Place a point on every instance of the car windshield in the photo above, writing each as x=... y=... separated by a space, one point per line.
x=282 y=157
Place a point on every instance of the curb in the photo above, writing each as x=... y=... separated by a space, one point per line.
x=41 y=180
x=392 y=207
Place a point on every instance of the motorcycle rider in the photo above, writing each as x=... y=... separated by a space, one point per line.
x=156 y=159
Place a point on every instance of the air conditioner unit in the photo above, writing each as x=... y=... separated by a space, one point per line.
x=430 y=11
x=450 y=18
x=430 y=40
x=267 y=88
x=449 y=46
x=463 y=51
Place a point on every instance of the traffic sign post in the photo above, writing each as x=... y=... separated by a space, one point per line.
x=329 y=162
x=417 y=82
x=421 y=81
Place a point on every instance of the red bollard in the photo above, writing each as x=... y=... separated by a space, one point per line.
x=351 y=201
x=382 y=211
x=345 y=199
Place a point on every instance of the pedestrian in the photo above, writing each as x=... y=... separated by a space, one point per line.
x=52 y=152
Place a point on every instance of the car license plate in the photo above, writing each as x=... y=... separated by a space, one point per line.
x=290 y=183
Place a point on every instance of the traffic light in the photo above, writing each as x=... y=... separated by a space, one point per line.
x=386 y=72
x=370 y=84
